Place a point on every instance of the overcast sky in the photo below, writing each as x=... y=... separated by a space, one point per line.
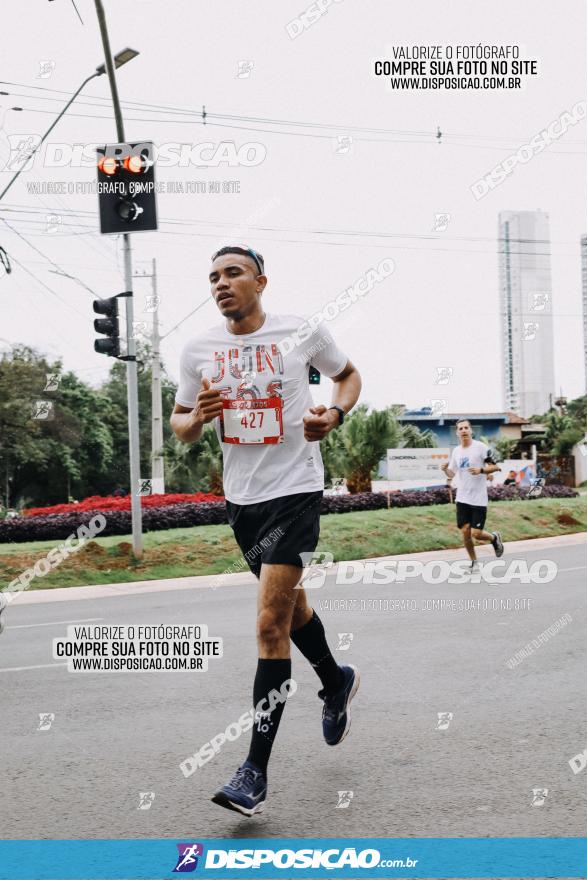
x=300 y=204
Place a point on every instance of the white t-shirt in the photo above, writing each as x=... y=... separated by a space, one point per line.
x=251 y=366
x=471 y=488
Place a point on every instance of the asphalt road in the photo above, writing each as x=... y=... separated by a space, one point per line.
x=118 y=734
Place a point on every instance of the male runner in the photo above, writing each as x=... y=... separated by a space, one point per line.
x=258 y=396
x=472 y=461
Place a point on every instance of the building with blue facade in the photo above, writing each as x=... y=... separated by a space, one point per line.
x=493 y=426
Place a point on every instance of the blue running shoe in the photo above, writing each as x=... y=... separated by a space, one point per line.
x=336 y=714
x=246 y=791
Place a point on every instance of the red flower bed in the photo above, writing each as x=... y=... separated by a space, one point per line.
x=113 y=502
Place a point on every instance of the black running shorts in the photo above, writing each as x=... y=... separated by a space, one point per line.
x=468 y=514
x=276 y=531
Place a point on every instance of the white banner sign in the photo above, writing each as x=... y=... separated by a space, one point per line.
x=416 y=464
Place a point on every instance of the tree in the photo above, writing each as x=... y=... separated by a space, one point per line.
x=564 y=442
x=115 y=391
x=194 y=467
x=577 y=409
x=504 y=447
x=35 y=439
x=562 y=432
x=355 y=450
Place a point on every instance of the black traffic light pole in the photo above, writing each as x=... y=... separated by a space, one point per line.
x=109 y=326
x=131 y=365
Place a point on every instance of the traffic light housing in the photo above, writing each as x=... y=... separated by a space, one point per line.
x=108 y=325
x=126 y=188
x=314 y=376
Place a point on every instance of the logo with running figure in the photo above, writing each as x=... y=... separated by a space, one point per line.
x=46 y=719
x=539 y=795
x=316 y=567
x=344 y=799
x=444 y=719
x=146 y=799
x=187 y=860
x=438 y=406
x=444 y=375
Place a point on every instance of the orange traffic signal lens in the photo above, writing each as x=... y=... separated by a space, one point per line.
x=135 y=164
x=108 y=165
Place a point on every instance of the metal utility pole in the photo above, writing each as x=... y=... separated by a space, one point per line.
x=131 y=366
x=157 y=460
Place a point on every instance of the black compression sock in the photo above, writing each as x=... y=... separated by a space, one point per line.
x=310 y=639
x=270 y=677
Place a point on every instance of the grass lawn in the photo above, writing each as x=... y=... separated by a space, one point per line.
x=212 y=549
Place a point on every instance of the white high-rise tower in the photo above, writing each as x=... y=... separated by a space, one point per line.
x=526 y=311
x=584 y=286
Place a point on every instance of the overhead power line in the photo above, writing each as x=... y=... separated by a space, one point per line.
x=70 y=213
x=35 y=248
x=198 y=116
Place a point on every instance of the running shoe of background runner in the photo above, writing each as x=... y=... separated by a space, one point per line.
x=497 y=543
x=336 y=714
x=246 y=791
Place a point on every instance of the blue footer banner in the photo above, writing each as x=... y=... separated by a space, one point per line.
x=509 y=857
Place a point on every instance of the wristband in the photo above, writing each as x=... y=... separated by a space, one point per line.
x=340 y=412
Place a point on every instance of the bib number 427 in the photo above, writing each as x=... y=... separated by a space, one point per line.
x=252 y=421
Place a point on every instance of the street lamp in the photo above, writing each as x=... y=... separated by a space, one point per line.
x=120 y=59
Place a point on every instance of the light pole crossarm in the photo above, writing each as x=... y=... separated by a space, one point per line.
x=48 y=132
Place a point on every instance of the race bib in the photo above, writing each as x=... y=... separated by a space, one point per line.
x=252 y=421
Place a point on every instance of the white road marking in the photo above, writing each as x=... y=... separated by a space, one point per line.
x=54 y=623
x=38 y=666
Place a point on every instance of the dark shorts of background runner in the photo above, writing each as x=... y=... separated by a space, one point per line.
x=276 y=531
x=474 y=516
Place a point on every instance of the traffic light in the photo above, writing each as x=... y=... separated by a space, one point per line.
x=126 y=188
x=314 y=376
x=108 y=325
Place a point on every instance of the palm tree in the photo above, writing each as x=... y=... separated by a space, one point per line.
x=210 y=464
x=356 y=450
x=562 y=432
x=195 y=467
